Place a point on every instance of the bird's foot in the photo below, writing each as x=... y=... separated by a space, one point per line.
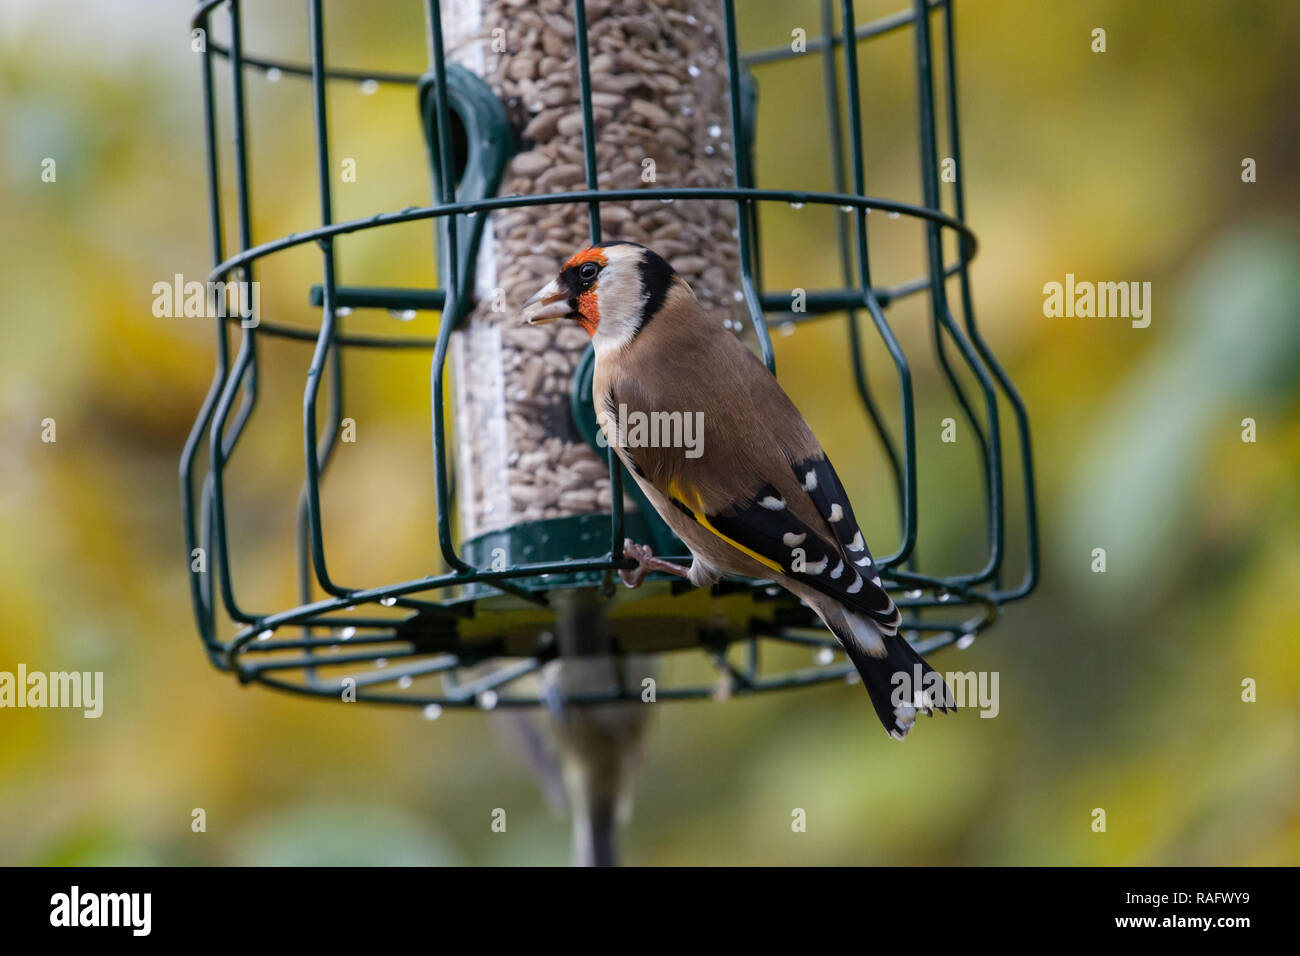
x=645 y=563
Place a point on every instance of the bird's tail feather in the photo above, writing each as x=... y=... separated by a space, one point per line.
x=895 y=700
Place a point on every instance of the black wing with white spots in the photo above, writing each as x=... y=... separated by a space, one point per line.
x=768 y=531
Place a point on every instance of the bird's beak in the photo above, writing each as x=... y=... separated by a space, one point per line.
x=550 y=303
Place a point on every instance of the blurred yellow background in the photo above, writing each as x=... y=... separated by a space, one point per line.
x=1119 y=690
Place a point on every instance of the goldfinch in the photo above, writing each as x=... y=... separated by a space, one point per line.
x=757 y=496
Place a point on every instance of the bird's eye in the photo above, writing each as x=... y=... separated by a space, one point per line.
x=587 y=271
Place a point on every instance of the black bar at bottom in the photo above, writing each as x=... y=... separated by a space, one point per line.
x=329 y=905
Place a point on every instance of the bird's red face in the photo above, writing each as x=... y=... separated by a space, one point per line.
x=573 y=294
x=611 y=290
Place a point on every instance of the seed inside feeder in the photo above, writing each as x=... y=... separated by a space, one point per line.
x=520 y=457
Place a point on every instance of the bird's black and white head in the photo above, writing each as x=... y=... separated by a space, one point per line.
x=611 y=289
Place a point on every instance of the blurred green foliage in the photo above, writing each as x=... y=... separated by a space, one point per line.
x=1119 y=690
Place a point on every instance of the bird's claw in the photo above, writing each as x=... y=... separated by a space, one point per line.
x=646 y=562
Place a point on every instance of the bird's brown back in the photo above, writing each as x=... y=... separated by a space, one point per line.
x=712 y=372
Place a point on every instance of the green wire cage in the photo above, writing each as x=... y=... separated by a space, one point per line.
x=471 y=633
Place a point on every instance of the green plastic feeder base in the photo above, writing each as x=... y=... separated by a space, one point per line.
x=553 y=539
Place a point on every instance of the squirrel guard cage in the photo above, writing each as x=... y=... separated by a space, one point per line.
x=561 y=114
